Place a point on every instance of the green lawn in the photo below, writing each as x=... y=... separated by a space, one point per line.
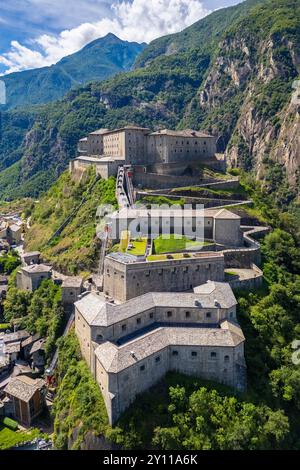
x=9 y=438
x=139 y=247
x=173 y=245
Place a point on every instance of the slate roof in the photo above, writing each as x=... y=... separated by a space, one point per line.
x=23 y=387
x=10 y=348
x=37 y=268
x=37 y=346
x=116 y=358
x=97 y=312
x=16 y=336
x=30 y=340
x=72 y=281
x=184 y=133
x=226 y=214
x=15 y=227
x=31 y=253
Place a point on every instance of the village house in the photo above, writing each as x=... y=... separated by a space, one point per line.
x=30 y=277
x=32 y=257
x=28 y=397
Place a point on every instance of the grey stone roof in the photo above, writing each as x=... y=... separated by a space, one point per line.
x=97 y=312
x=117 y=358
x=15 y=227
x=24 y=387
x=99 y=132
x=91 y=306
x=31 y=253
x=30 y=340
x=16 y=336
x=38 y=346
x=184 y=133
x=226 y=214
x=37 y=268
x=10 y=348
x=72 y=281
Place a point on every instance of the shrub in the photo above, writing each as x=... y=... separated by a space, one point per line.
x=10 y=423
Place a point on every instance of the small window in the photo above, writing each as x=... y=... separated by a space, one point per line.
x=213 y=355
x=124 y=327
x=151 y=314
x=169 y=314
x=194 y=353
x=142 y=368
x=187 y=314
x=174 y=353
x=226 y=358
x=138 y=321
x=157 y=359
x=208 y=315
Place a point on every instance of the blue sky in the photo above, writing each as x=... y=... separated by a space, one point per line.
x=34 y=33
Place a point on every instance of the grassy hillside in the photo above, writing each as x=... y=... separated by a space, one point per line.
x=76 y=249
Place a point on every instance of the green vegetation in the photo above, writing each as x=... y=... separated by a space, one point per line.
x=9 y=262
x=39 y=312
x=198 y=415
x=4 y=326
x=160 y=200
x=99 y=60
x=173 y=244
x=138 y=247
x=76 y=248
x=78 y=406
x=10 y=423
x=10 y=438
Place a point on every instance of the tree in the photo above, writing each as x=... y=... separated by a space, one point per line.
x=16 y=303
x=207 y=420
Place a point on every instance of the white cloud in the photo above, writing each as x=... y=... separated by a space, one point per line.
x=137 y=20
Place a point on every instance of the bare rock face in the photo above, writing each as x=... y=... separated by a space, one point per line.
x=248 y=102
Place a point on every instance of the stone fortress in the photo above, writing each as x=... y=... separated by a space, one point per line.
x=164 y=152
x=129 y=347
x=172 y=311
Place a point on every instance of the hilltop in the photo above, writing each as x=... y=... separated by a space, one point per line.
x=98 y=60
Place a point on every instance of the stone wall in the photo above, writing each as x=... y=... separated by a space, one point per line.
x=129 y=383
x=125 y=281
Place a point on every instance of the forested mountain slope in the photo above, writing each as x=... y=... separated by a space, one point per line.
x=98 y=60
x=237 y=84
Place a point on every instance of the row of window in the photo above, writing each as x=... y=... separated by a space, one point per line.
x=169 y=314
x=213 y=355
x=172 y=271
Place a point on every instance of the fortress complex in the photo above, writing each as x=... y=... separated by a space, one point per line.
x=165 y=151
x=129 y=347
x=219 y=225
x=224 y=245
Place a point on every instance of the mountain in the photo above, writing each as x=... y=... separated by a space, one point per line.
x=232 y=75
x=98 y=60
